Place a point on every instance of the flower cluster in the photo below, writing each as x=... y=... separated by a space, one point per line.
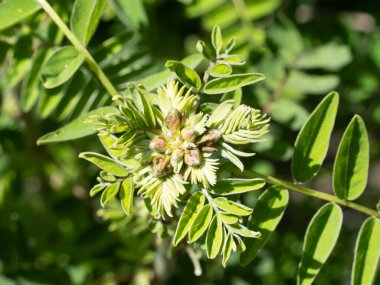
x=164 y=142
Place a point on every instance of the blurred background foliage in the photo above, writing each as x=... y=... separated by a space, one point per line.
x=51 y=232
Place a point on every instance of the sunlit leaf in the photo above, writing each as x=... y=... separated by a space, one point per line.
x=105 y=163
x=200 y=223
x=231 y=186
x=313 y=139
x=352 y=161
x=221 y=70
x=185 y=74
x=216 y=39
x=320 y=238
x=126 y=195
x=232 y=207
x=109 y=194
x=214 y=238
x=13 y=11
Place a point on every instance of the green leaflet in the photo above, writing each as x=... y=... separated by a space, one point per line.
x=352 y=161
x=185 y=74
x=109 y=194
x=228 y=218
x=232 y=158
x=61 y=66
x=107 y=176
x=231 y=186
x=105 y=163
x=243 y=231
x=220 y=113
x=232 y=207
x=269 y=210
x=230 y=83
x=367 y=253
x=77 y=128
x=216 y=39
x=200 y=223
x=320 y=238
x=143 y=105
x=214 y=238
x=313 y=140
x=13 y=11
x=85 y=18
x=96 y=189
x=189 y=214
x=234 y=59
x=131 y=13
x=126 y=195
x=221 y=70
x=311 y=83
x=227 y=249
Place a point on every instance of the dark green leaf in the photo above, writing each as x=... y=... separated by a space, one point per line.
x=367 y=253
x=85 y=18
x=77 y=128
x=268 y=212
x=13 y=11
x=231 y=186
x=61 y=66
x=352 y=161
x=105 y=163
x=313 y=139
x=320 y=238
x=190 y=212
x=230 y=83
x=185 y=74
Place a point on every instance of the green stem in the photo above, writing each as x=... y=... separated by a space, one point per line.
x=313 y=193
x=80 y=47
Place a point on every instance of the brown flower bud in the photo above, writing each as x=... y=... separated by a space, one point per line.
x=173 y=119
x=177 y=154
x=158 y=144
x=192 y=157
x=212 y=136
x=162 y=166
x=189 y=134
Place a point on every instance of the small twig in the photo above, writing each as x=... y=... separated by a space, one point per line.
x=195 y=260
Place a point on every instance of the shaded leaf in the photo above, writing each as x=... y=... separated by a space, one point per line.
x=61 y=66
x=200 y=223
x=131 y=13
x=85 y=18
x=227 y=249
x=320 y=238
x=269 y=210
x=13 y=11
x=231 y=186
x=312 y=84
x=77 y=128
x=367 y=253
x=105 y=163
x=313 y=139
x=189 y=214
x=352 y=161
x=230 y=83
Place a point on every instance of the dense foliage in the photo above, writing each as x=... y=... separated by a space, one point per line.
x=200 y=157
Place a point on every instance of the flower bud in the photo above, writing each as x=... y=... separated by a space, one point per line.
x=173 y=119
x=212 y=136
x=162 y=166
x=177 y=154
x=192 y=157
x=189 y=134
x=158 y=144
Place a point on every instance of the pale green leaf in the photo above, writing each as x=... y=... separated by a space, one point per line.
x=214 y=238
x=367 y=253
x=244 y=232
x=220 y=113
x=228 y=218
x=85 y=18
x=269 y=210
x=313 y=139
x=232 y=207
x=78 y=128
x=231 y=186
x=61 y=66
x=141 y=101
x=221 y=70
x=126 y=195
x=109 y=194
x=13 y=11
x=234 y=59
x=200 y=223
x=352 y=161
x=230 y=83
x=290 y=113
x=96 y=189
x=232 y=158
x=227 y=249
x=190 y=212
x=320 y=238
x=185 y=74
x=216 y=39
x=330 y=57
x=105 y=163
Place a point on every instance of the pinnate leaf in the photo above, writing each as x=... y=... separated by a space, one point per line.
x=321 y=236
x=352 y=161
x=313 y=139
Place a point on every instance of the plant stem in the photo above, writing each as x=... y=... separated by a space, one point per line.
x=313 y=193
x=80 y=47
